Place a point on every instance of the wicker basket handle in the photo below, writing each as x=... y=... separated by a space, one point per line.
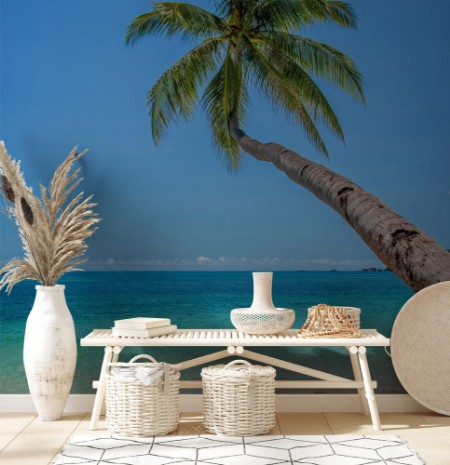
x=148 y=357
x=238 y=362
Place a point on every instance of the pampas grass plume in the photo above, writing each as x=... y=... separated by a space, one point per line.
x=53 y=229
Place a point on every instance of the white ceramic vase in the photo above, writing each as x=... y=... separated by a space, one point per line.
x=50 y=351
x=262 y=292
x=262 y=317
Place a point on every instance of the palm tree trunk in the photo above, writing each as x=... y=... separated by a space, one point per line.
x=410 y=253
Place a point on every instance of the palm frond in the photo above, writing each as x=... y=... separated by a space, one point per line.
x=283 y=65
x=342 y=13
x=286 y=94
x=306 y=90
x=175 y=93
x=229 y=8
x=170 y=18
x=288 y=15
x=322 y=60
x=282 y=15
x=225 y=94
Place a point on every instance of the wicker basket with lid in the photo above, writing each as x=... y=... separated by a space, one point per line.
x=135 y=409
x=239 y=398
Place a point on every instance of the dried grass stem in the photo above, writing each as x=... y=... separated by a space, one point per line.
x=53 y=230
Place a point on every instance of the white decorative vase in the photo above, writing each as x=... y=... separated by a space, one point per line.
x=50 y=351
x=262 y=291
x=262 y=317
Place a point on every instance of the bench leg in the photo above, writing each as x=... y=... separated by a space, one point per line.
x=100 y=395
x=368 y=388
x=357 y=373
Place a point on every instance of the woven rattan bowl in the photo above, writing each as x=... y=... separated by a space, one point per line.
x=351 y=314
x=421 y=348
x=253 y=321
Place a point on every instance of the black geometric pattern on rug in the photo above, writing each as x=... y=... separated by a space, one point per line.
x=224 y=450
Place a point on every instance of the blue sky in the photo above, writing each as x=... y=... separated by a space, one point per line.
x=68 y=79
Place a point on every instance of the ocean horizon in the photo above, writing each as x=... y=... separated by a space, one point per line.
x=204 y=299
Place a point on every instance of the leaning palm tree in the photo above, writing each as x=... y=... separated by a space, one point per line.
x=256 y=43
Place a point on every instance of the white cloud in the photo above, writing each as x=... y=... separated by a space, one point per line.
x=235 y=264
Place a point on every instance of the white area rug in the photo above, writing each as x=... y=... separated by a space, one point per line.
x=224 y=450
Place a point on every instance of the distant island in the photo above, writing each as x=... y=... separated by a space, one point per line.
x=372 y=270
x=367 y=270
x=334 y=270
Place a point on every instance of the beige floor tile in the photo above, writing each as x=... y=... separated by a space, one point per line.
x=393 y=422
x=440 y=424
x=83 y=427
x=191 y=423
x=432 y=448
x=35 y=442
x=39 y=441
x=303 y=423
x=435 y=419
x=101 y=430
x=350 y=423
x=422 y=435
x=276 y=429
x=11 y=425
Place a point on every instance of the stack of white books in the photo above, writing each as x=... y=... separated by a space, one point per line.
x=143 y=327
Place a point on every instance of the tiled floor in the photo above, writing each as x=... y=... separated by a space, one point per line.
x=25 y=440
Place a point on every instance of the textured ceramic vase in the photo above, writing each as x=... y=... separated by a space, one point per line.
x=50 y=351
x=262 y=292
x=262 y=317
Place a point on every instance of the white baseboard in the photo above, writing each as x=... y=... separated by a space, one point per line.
x=284 y=403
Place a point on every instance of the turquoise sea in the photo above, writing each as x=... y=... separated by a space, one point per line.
x=203 y=300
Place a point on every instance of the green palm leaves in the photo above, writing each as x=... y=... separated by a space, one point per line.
x=172 y=18
x=224 y=95
x=249 y=43
x=175 y=93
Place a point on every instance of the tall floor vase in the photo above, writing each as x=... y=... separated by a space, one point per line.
x=50 y=351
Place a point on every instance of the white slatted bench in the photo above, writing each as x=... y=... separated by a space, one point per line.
x=236 y=342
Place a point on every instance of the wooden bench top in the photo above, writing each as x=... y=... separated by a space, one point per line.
x=231 y=337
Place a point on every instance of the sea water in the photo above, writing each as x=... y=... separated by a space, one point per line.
x=203 y=300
